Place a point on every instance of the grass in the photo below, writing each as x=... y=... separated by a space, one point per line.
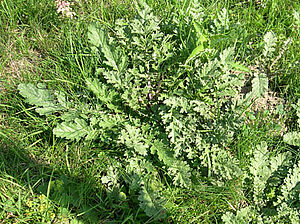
x=43 y=178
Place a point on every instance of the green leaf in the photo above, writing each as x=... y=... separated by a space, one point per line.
x=36 y=95
x=114 y=78
x=259 y=84
x=222 y=20
x=96 y=36
x=95 y=86
x=297 y=18
x=199 y=30
x=103 y=92
x=173 y=131
x=224 y=165
x=239 y=67
x=197 y=27
x=48 y=110
x=298 y=111
x=260 y=171
x=40 y=96
x=151 y=203
x=292 y=138
x=72 y=130
x=181 y=172
x=226 y=56
x=132 y=138
x=243 y=215
x=195 y=52
x=164 y=154
x=269 y=44
x=291 y=182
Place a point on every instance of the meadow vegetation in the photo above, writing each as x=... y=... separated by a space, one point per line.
x=174 y=111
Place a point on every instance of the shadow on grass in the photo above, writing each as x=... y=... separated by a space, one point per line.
x=27 y=184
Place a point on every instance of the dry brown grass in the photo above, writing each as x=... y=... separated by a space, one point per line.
x=269 y=103
x=16 y=64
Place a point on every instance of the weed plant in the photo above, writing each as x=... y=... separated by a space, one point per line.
x=150 y=112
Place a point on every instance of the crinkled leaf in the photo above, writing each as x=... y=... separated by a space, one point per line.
x=181 y=172
x=98 y=38
x=259 y=84
x=72 y=130
x=226 y=57
x=291 y=187
x=95 y=86
x=298 y=111
x=151 y=203
x=260 y=170
x=36 y=95
x=243 y=215
x=164 y=154
x=222 y=20
x=292 y=138
x=132 y=138
x=269 y=44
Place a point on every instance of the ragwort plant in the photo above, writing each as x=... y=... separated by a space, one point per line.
x=166 y=102
x=273 y=181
